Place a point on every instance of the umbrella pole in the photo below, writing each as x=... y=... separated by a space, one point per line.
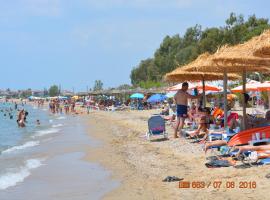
x=268 y=93
x=225 y=79
x=244 y=103
x=204 y=96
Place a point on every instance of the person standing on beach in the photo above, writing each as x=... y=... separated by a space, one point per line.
x=181 y=100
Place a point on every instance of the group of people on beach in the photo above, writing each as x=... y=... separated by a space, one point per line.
x=215 y=117
x=58 y=106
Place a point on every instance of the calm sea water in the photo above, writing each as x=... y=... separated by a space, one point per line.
x=46 y=161
x=14 y=166
x=11 y=135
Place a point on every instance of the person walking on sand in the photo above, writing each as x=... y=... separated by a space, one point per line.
x=181 y=100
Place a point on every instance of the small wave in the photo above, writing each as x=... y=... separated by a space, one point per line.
x=61 y=117
x=51 y=121
x=57 y=125
x=21 y=147
x=35 y=108
x=45 y=132
x=44 y=109
x=12 y=178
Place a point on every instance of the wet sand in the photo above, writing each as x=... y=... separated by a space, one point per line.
x=141 y=165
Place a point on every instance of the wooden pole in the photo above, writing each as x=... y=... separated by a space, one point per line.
x=204 y=96
x=225 y=79
x=244 y=103
x=268 y=92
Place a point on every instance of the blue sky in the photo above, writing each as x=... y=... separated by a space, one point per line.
x=75 y=42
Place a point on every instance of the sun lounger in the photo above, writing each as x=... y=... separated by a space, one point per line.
x=156 y=126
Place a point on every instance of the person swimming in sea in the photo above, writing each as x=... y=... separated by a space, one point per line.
x=21 y=118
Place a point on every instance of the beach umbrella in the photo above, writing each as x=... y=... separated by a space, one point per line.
x=170 y=94
x=156 y=98
x=75 y=97
x=206 y=63
x=137 y=96
x=190 y=72
x=207 y=87
x=265 y=86
x=253 y=52
x=178 y=87
x=250 y=86
x=237 y=59
x=62 y=97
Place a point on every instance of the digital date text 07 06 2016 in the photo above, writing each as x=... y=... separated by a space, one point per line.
x=218 y=184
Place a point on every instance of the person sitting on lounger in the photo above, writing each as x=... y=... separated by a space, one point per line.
x=202 y=128
x=165 y=109
x=264 y=123
x=192 y=112
x=252 y=148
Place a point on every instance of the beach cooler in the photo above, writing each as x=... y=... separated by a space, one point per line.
x=156 y=126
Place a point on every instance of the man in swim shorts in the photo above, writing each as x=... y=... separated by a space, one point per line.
x=181 y=100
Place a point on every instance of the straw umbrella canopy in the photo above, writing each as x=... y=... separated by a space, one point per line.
x=191 y=72
x=206 y=63
x=262 y=44
x=238 y=59
x=256 y=51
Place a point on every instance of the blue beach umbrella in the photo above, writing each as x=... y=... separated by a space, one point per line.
x=137 y=96
x=156 y=98
x=170 y=94
x=62 y=97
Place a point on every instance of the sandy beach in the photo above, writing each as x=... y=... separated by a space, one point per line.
x=141 y=165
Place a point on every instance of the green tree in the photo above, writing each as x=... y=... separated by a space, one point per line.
x=124 y=87
x=53 y=91
x=175 y=51
x=26 y=93
x=98 y=85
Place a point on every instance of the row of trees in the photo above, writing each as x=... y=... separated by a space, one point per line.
x=177 y=51
x=54 y=90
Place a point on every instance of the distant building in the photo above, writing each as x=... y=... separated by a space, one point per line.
x=38 y=93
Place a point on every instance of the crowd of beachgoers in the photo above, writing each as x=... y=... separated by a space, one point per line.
x=184 y=112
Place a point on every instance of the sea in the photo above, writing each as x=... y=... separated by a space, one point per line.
x=46 y=161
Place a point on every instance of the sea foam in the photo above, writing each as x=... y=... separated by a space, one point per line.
x=61 y=117
x=12 y=178
x=57 y=125
x=21 y=147
x=45 y=132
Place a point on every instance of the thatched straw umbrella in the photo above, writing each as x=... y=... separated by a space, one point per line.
x=256 y=51
x=190 y=72
x=262 y=44
x=238 y=59
x=205 y=63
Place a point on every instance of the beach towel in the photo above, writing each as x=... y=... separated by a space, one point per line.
x=218 y=164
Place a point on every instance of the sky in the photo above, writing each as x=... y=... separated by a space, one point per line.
x=72 y=43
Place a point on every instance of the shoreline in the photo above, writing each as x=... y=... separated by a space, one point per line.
x=141 y=165
x=57 y=169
